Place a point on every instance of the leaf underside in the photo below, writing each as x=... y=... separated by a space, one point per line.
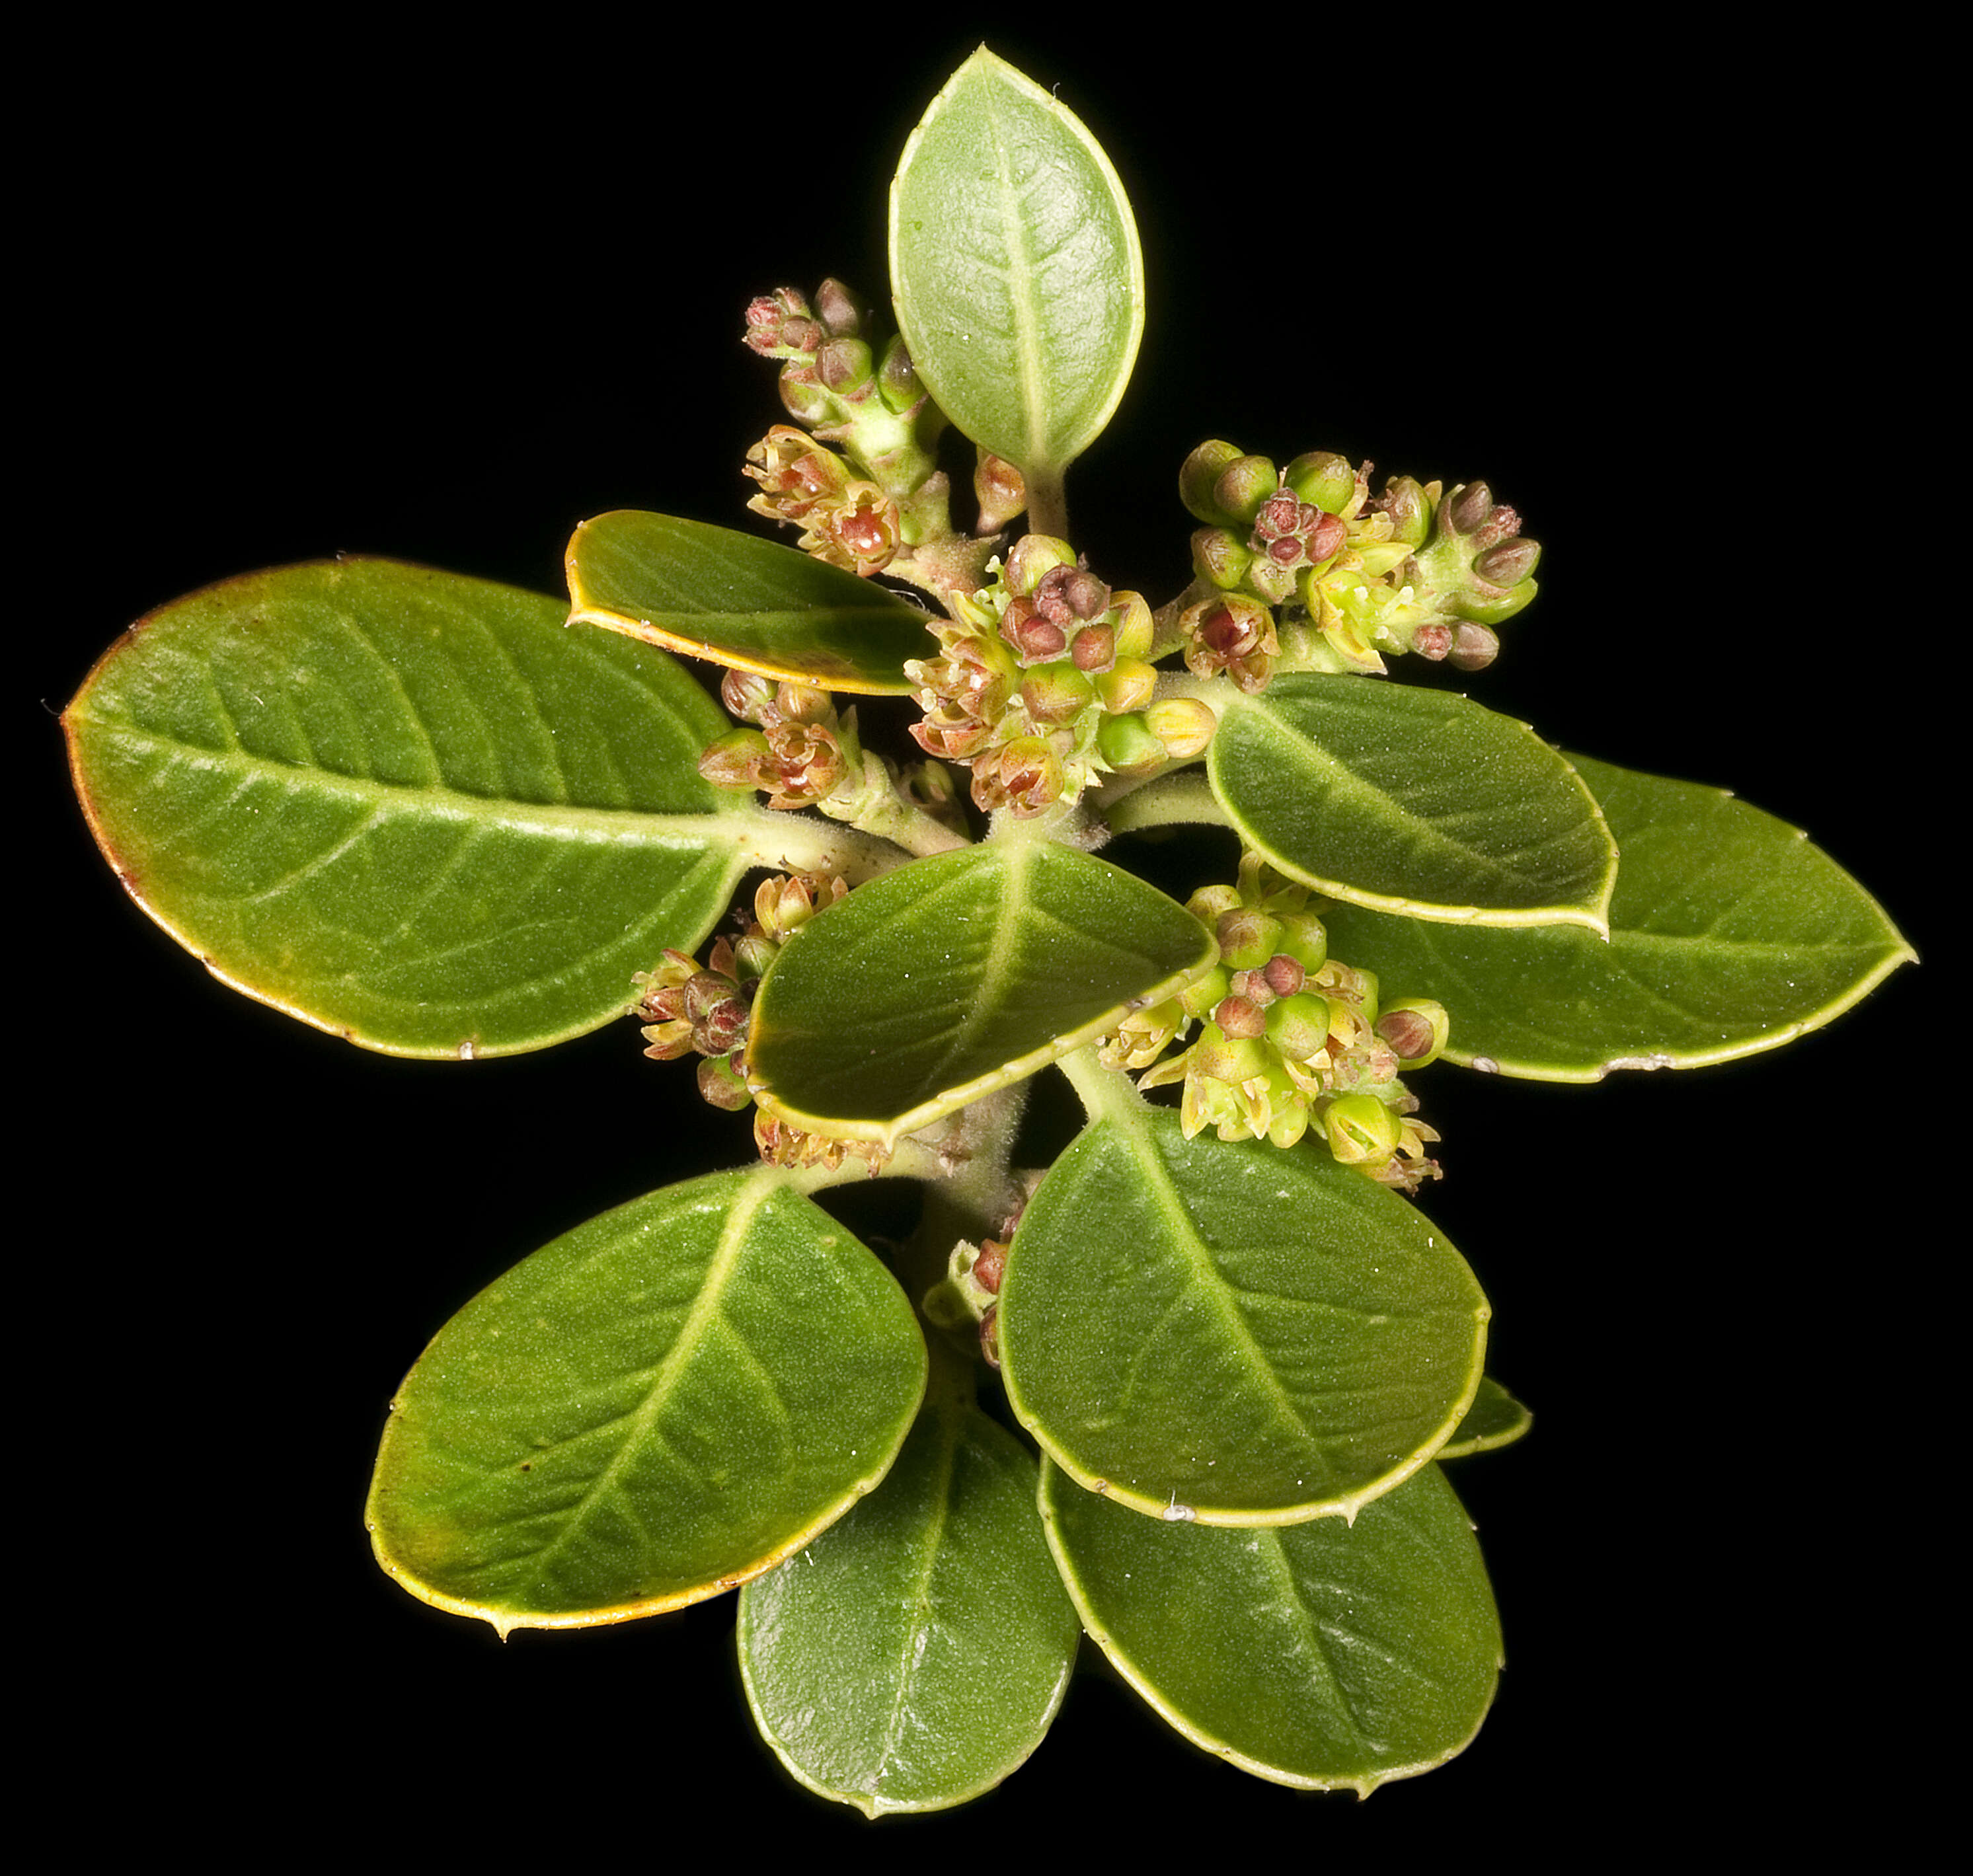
x=405 y=806
x=1728 y=934
x=654 y=1407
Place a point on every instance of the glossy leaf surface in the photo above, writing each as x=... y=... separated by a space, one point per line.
x=1018 y=279
x=913 y=1654
x=938 y=983
x=1412 y=801
x=739 y=600
x=1326 y=1655
x=1495 y=1419
x=654 y=1407
x=404 y=805
x=1728 y=934
x=1231 y=1332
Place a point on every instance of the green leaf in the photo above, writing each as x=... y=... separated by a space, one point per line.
x=406 y=806
x=1728 y=933
x=938 y=983
x=753 y=604
x=1232 y=1333
x=1015 y=267
x=1325 y=1655
x=659 y=1404
x=1413 y=801
x=1495 y=1419
x=914 y=1654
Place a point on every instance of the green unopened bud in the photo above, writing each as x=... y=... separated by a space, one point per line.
x=1200 y=471
x=1322 y=478
x=1268 y=581
x=1030 y=560
x=1304 y=939
x=897 y=382
x=1247 y=939
x=844 y=366
x=1416 y=1028
x=802 y=397
x=1202 y=998
x=1404 y=500
x=735 y=760
x=1298 y=1025
x=1057 y=692
x=723 y=1085
x=1207 y=904
x=1242 y=486
x=1131 y=620
x=1219 y=554
x=1362 y=1130
x=1129 y=685
x=1127 y=744
x=1183 y=724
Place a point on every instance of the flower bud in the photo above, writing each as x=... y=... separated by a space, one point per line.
x=1474 y=647
x=1094 y=648
x=1218 y=554
x=1298 y=1026
x=1240 y=1018
x=1323 y=478
x=1031 y=559
x=1416 y=1028
x=1467 y=507
x=720 y=1084
x=1247 y=939
x=1127 y=744
x=1242 y=486
x=1202 y=998
x=1056 y=692
x=1195 y=478
x=998 y=488
x=897 y=383
x=1405 y=502
x=1129 y=685
x=735 y=760
x=844 y=365
x=835 y=306
x=1509 y=563
x=1362 y=1130
x=1183 y=724
x=1133 y=624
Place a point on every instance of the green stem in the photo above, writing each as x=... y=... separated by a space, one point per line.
x=1103 y=1091
x=1048 y=503
x=1179 y=797
x=793 y=843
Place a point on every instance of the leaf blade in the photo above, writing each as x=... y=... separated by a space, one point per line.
x=1321 y=1655
x=1018 y=286
x=915 y=1654
x=1412 y=801
x=714 y=593
x=1231 y=1334
x=405 y=806
x=1695 y=972
x=649 y=1410
x=936 y=983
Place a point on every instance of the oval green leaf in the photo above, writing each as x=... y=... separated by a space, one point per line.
x=1015 y=267
x=659 y=1404
x=913 y=1654
x=405 y=806
x=1325 y=1655
x=946 y=979
x=1413 y=801
x=1230 y=1333
x=753 y=604
x=1495 y=1419
x=1728 y=934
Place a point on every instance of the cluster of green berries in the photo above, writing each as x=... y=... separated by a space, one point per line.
x=690 y=1009
x=1042 y=682
x=1290 y=1040
x=1415 y=569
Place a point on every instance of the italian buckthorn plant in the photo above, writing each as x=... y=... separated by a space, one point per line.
x=886 y=829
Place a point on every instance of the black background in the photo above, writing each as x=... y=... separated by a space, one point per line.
x=442 y=302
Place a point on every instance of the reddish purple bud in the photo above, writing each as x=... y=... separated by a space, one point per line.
x=988 y=1266
x=1285 y=977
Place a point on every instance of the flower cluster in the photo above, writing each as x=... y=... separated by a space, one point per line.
x=1290 y=1038
x=1042 y=682
x=1415 y=569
